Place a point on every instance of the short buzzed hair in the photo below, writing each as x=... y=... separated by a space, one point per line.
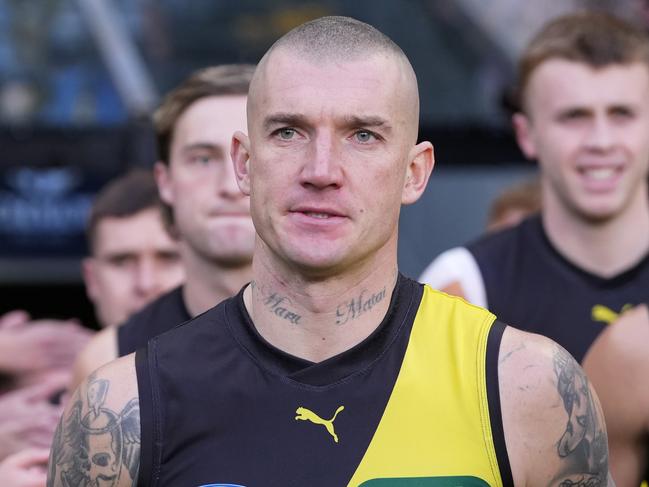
x=594 y=38
x=336 y=37
x=123 y=197
x=224 y=80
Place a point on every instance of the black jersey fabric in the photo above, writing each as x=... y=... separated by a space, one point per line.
x=531 y=286
x=161 y=315
x=210 y=390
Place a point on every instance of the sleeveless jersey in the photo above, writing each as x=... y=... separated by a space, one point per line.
x=157 y=317
x=415 y=404
x=531 y=286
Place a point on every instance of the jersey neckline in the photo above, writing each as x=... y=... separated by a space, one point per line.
x=339 y=368
x=627 y=275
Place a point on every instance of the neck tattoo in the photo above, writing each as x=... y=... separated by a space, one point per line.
x=356 y=307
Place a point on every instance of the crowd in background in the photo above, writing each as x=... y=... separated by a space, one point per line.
x=147 y=241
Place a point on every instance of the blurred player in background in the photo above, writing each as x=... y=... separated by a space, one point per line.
x=204 y=205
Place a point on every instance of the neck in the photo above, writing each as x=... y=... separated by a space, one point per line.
x=316 y=319
x=604 y=248
x=209 y=283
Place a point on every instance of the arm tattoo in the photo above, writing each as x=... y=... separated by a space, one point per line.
x=99 y=447
x=583 y=445
x=353 y=309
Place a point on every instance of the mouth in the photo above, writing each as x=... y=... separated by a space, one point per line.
x=600 y=178
x=600 y=173
x=317 y=216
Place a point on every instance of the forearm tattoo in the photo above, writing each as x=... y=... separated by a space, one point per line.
x=95 y=445
x=583 y=444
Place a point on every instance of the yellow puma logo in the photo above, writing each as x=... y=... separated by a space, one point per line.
x=305 y=414
x=606 y=315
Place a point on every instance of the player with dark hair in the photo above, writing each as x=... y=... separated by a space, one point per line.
x=133 y=258
x=203 y=207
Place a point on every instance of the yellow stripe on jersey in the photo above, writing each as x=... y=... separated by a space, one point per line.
x=436 y=423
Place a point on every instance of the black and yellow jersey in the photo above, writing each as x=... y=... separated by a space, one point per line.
x=414 y=404
x=530 y=285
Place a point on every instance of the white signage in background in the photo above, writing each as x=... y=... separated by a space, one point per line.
x=42 y=203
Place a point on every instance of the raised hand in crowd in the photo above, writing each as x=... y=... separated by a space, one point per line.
x=28 y=418
x=28 y=346
x=27 y=468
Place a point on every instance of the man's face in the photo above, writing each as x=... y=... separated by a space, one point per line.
x=210 y=212
x=134 y=261
x=326 y=160
x=589 y=130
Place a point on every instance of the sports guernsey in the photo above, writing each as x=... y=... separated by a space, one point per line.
x=163 y=314
x=527 y=283
x=415 y=404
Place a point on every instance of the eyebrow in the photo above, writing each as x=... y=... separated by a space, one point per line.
x=203 y=146
x=289 y=119
x=353 y=121
x=368 y=121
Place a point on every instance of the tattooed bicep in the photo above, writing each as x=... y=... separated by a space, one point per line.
x=97 y=441
x=582 y=446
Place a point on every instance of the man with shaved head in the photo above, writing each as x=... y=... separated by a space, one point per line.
x=331 y=368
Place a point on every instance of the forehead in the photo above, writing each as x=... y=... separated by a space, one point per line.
x=141 y=232
x=372 y=85
x=557 y=83
x=214 y=118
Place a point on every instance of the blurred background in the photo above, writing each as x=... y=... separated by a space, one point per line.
x=80 y=78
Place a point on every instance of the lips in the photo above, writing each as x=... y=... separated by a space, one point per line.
x=319 y=213
x=600 y=177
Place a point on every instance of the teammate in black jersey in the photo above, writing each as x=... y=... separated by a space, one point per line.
x=330 y=156
x=207 y=210
x=568 y=274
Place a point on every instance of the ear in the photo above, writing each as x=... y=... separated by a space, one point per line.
x=422 y=160
x=240 y=153
x=90 y=277
x=161 y=172
x=523 y=130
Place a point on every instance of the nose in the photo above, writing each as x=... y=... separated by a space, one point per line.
x=322 y=169
x=601 y=135
x=146 y=279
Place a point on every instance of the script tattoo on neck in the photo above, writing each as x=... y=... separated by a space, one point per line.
x=277 y=304
x=583 y=445
x=356 y=307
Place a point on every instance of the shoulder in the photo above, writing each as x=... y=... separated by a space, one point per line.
x=103 y=410
x=617 y=362
x=101 y=349
x=554 y=427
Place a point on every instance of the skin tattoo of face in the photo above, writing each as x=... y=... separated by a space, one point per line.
x=583 y=444
x=97 y=448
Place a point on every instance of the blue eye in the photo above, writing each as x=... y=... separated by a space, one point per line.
x=364 y=136
x=286 y=133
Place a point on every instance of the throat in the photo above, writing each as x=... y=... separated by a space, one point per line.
x=316 y=329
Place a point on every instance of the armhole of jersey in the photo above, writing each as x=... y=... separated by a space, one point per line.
x=493 y=398
x=146 y=417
